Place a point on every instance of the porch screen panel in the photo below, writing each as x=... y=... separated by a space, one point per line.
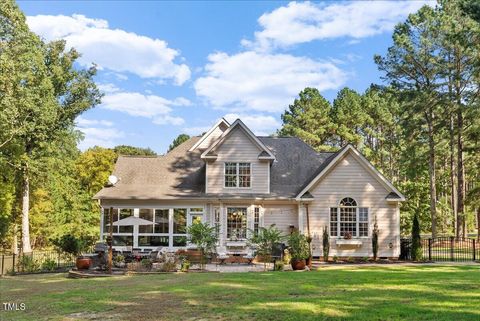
x=106 y=220
x=146 y=214
x=124 y=213
x=180 y=221
x=161 y=218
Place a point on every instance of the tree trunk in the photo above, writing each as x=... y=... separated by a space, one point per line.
x=461 y=223
x=431 y=170
x=15 y=240
x=478 y=223
x=453 y=192
x=26 y=248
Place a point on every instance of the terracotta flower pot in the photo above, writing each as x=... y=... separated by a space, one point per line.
x=298 y=264
x=83 y=263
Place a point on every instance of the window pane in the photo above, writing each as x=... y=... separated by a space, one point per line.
x=236 y=223
x=146 y=214
x=348 y=227
x=348 y=214
x=122 y=240
x=256 y=219
x=180 y=221
x=230 y=181
x=197 y=218
x=153 y=240
x=333 y=229
x=106 y=220
x=333 y=214
x=124 y=213
x=161 y=218
x=348 y=201
x=179 y=241
x=244 y=174
x=363 y=214
x=363 y=229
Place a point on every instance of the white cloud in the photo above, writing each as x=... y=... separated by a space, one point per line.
x=97 y=132
x=149 y=106
x=113 y=49
x=195 y=131
x=108 y=88
x=261 y=125
x=301 y=22
x=263 y=82
x=82 y=122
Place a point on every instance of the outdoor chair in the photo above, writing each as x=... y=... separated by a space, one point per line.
x=222 y=254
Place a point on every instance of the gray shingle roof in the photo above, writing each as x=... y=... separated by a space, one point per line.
x=181 y=174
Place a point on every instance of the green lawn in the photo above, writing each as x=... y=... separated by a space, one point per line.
x=332 y=293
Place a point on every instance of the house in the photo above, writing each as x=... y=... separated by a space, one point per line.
x=239 y=182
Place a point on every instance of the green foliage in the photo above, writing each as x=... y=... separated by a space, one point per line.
x=416 y=240
x=279 y=266
x=133 y=151
x=178 y=141
x=204 y=237
x=375 y=240
x=298 y=246
x=325 y=243
x=93 y=168
x=49 y=265
x=26 y=263
x=308 y=118
x=70 y=244
x=264 y=240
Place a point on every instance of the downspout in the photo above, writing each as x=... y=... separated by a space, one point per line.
x=309 y=237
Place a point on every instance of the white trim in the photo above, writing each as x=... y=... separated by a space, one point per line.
x=252 y=136
x=206 y=178
x=363 y=161
x=201 y=140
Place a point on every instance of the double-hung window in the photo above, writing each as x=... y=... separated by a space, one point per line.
x=237 y=175
x=349 y=219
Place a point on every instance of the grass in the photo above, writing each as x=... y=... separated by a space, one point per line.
x=333 y=293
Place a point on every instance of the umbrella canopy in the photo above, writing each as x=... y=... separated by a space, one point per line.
x=132 y=221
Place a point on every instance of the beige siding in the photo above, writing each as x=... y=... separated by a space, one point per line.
x=214 y=135
x=238 y=147
x=282 y=216
x=350 y=178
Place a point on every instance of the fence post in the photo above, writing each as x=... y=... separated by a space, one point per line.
x=429 y=249
x=452 y=251
x=474 y=250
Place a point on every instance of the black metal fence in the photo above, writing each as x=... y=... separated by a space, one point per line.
x=442 y=249
x=36 y=261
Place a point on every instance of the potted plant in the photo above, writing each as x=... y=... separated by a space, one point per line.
x=119 y=261
x=204 y=237
x=299 y=250
x=347 y=236
x=264 y=241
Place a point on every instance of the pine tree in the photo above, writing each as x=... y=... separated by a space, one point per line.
x=416 y=240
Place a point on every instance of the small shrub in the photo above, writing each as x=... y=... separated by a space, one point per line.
x=185 y=266
x=326 y=244
x=416 y=240
x=279 y=265
x=375 y=240
x=69 y=244
x=147 y=263
x=299 y=246
x=169 y=266
x=350 y=259
x=335 y=259
x=365 y=259
x=26 y=263
x=49 y=265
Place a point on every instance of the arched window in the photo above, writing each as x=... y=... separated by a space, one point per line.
x=348 y=219
x=348 y=201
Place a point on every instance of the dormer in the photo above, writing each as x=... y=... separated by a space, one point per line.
x=238 y=162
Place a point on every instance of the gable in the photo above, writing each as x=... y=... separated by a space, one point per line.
x=211 y=135
x=351 y=170
x=238 y=125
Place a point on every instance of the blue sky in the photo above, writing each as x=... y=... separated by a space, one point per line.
x=176 y=67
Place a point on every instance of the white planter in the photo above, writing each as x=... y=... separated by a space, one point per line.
x=351 y=242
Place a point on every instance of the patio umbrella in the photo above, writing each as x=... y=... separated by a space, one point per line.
x=132 y=221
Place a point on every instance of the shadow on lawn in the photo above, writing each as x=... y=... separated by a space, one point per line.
x=423 y=292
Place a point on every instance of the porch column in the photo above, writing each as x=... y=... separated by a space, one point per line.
x=223 y=224
x=136 y=212
x=101 y=223
x=301 y=209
